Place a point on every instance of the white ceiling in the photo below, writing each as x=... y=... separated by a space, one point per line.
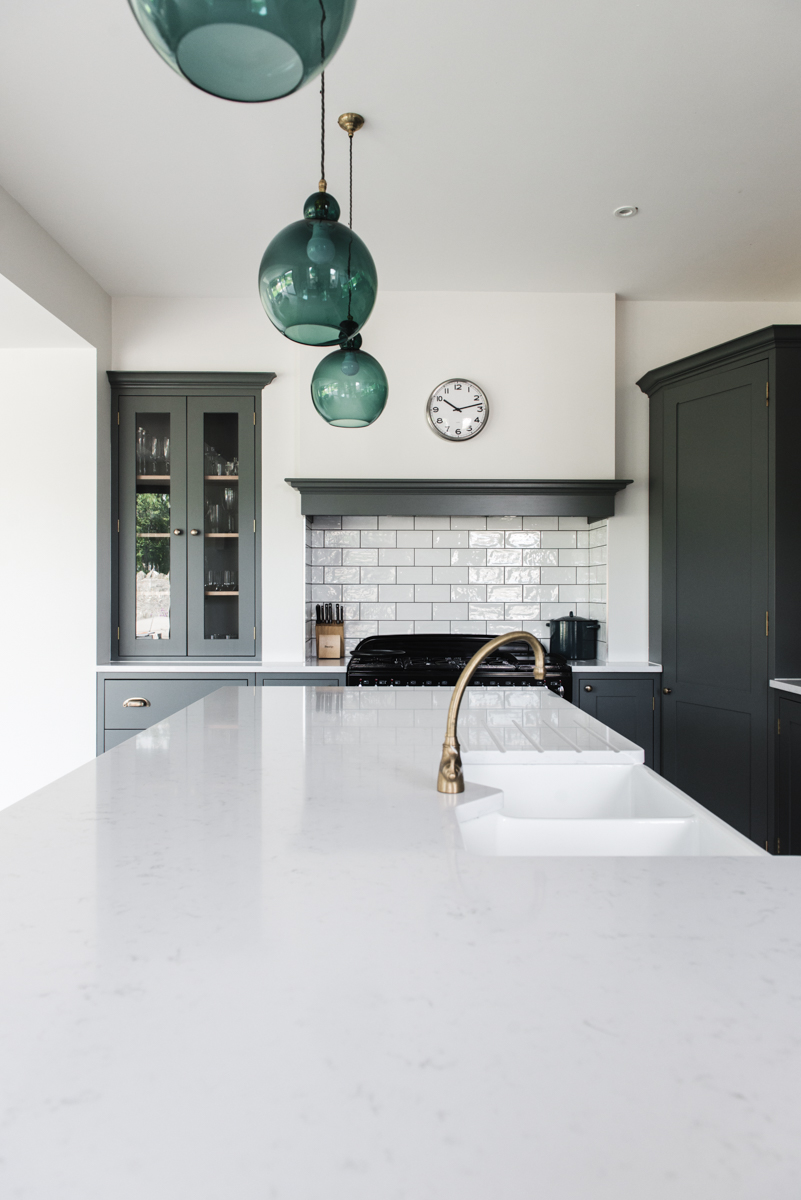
x=499 y=139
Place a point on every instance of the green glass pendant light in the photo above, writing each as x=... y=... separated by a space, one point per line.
x=315 y=275
x=349 y=388
x=248 y=50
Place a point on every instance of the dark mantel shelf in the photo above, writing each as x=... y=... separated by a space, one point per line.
x=590 y=498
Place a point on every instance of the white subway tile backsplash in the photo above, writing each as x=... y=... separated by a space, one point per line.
x=413 y=574
x=451 y=575
x=563 y=538
x=360 y=522
x=507 y=594
x=451 y=539
x=482 y=575
x=396 y=592
x=486 y=575
x=396 y=522
x=379 y=574
x=468 y=522
x=359 y=558
x=432 y=522
x=484 y=537
x=396 y=558
x=426 y=592
x=450 y=612
x=416 y=538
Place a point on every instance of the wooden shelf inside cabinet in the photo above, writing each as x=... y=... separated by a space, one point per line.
x=153 y=479
x=221 y=478
x=212 y=592
x=152 y=535
x=222 y=535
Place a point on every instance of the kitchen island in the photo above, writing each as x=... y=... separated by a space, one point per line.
x=245 y=955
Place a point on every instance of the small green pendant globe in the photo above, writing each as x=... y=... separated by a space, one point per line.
x=317 y=277
x=248 y=50
x=349 y=387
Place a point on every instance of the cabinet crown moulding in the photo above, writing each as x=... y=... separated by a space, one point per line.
x=199 y=381
x=590 y=498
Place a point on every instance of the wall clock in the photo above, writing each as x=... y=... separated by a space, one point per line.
x=457 y=410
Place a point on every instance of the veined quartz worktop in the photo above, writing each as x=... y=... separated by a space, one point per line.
x=787 y=685
x=244 y=955
x=196 y=666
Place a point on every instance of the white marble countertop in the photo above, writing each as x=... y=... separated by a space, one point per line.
x=244 y=955
x=786 y=685
x=202 y=667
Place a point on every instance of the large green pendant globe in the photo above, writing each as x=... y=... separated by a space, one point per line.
x=317 y=278
x=249 y=50
x=349 y=387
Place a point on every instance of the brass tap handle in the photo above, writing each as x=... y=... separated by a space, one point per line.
x=450 y=778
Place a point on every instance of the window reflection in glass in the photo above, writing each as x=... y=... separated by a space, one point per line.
x=153 y=525
x=221 y=528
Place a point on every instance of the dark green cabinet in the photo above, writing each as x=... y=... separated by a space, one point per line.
x=788 y=775
x=626 y=703
x=725 y=566
x=186 y=490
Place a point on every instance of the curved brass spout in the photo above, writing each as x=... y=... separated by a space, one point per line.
x=450 y=778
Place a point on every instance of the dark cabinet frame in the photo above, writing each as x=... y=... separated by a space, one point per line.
x=186 y=395
x=641 y=690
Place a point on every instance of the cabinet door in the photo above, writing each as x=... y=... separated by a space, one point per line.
x=715 y=593
x=625 y=705
x=788 y=777
x=221 y=547
x=152 y=541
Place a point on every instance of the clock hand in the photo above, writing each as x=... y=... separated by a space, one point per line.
x=464 y=406
x=453 y=406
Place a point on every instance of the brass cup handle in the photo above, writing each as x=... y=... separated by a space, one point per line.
x=177 y=532
x=194 y=532
x=587 y=687
x=136 y=702
x=666 y=691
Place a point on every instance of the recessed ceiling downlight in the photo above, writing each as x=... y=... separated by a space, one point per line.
x=627 y=210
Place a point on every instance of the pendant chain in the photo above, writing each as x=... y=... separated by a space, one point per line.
x=322 y=93
x=350 y=196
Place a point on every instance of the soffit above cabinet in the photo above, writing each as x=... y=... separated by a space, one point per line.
x=590 y=498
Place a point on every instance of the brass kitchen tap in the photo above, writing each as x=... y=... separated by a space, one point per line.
x=450 y=778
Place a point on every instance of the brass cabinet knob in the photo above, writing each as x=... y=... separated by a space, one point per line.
x=667 y=691
x=136 y=702
x=587 y=687
x=194 y=532
x=177 y=532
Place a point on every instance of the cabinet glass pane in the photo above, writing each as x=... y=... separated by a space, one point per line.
x=221 y=541
x=153 y=525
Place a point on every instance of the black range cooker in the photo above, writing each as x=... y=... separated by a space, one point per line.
x=438 y=659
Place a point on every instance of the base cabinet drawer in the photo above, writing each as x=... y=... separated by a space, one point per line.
x=115 y=737
x=140 y=703
x=627 y=704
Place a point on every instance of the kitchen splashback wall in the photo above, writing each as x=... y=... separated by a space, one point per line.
x=455 y=574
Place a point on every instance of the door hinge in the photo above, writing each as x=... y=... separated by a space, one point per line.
x=767 y=394
x=766 y=847
x=779 y=725
x=767 y=626
x=118 y=633
x=118 y=418
x=254 y=633
x=653 y=703
x=778 y=845
x=254 y=418
x=118 y=524
x=254 y=524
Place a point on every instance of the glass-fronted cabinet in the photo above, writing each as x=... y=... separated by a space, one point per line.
x=187 y=489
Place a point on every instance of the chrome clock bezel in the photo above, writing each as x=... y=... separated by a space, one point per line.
x=446 y=437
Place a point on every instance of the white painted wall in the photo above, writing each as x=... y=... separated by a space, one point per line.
x=548 y=371
x=649 y=334
x=48 y=611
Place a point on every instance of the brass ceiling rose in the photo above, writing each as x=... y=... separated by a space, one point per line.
x=350 y=122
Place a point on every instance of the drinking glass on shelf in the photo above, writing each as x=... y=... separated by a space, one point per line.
x=230 y=468
x=152 y=454
x=215 y=518
x=141 y=450
x=229 y=581
x=165 y=446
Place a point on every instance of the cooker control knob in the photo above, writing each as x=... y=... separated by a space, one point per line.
x=667 y=691
x=587 y=688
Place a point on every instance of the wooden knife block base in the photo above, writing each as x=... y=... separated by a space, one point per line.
x=327 y=632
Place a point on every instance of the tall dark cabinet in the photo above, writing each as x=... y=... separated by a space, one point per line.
x=725 y=576
x=186 y=491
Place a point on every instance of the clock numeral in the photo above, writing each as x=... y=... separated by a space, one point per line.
x=435 y=410
x=447 y=390
x=469 y=428
x=439 y=420
x=458 y=432
x=481 y=410
x=457 y=387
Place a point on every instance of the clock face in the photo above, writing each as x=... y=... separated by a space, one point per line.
x=457 y=410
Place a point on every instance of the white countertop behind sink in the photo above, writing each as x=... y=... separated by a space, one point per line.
x=246 y=954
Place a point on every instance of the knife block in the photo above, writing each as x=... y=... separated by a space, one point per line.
x=326 y=634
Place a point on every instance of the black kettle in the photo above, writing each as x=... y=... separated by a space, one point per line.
x=575 y=637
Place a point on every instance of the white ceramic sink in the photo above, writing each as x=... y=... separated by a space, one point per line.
x=587 y=810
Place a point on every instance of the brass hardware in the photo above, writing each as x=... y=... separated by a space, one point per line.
x=779 y=725
x=766 y=845
x=136 y=702
x=177 y=532
x=254 y=633
x=322 y=186
x=254 y=524
x=653 y=704
x=118 y=418
x=351 y=123
x=667 y=691
x=254 y=418
x=778 y=845
x=118 y=633
x=767 y=392
x=450 y=778
x=118 y=524
x=587 y=688
x=194 y=532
